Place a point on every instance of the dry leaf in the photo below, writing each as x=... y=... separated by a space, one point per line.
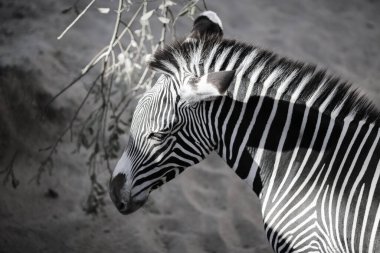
x=104 y=10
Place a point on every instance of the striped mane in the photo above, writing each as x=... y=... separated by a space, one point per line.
x=192 y=55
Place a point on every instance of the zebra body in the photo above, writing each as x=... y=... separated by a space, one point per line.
x=305 y=142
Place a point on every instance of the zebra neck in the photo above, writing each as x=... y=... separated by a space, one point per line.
x=258 y=135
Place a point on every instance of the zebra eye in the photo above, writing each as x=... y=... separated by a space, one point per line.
x=157 y=136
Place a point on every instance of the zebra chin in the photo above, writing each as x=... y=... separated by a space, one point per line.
x=128 y=207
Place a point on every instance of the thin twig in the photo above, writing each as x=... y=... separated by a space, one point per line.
x=9 y=171
x=204 y=4
x=104 y=127
x=53 y=148
x=76 y=19
x=95 y=60
x=114 y=35
x=103 y=53
x=163 y=30
x=68 y=86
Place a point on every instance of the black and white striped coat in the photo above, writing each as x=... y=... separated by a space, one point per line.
x=306 y=142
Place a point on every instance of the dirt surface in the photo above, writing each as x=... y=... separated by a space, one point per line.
x=207 y=209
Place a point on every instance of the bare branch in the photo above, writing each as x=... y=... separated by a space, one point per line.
x=114 y=35
x=9 y=171
x=204 y=5
x=124 y=75
x=75 y=20
x=48 y=160
x=79 y=77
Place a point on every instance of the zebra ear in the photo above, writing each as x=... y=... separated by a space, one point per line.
x=206 y=24
x=207 y=87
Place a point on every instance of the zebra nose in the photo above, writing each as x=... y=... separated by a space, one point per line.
x=116 y=186
x=120 y=206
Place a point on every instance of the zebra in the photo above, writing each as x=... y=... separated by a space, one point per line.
x=306 y=142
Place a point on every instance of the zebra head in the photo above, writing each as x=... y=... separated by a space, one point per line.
x=169 y=130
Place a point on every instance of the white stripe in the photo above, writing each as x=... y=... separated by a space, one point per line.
x=326 y=239
x=371 y=190
x=316 y=94
x=263 y=139
x=285 y=130
x=240 y=71
x=322 y=208
x=253 y=121
x=238 y=77
x=231 y=64
x=209 y=59
x=233 y=60
x=294 y=155
x=344 y=185
x=330 y=209
x=353 y=231
x=284 y=212
x=375 y=229
x=184 y=139
x=305 y=160
x=211 y=125
x=309 y=104
x=354 y=189
x=294 y=244
x=290 y=233
x=252 y=81
x=196 y=58
x=332 y=162
x=222 y=58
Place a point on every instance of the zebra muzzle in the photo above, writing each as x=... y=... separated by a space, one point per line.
x=121 y=197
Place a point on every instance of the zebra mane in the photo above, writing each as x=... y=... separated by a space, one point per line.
x=192 y=55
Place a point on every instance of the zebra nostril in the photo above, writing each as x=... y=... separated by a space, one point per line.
x=120 y=206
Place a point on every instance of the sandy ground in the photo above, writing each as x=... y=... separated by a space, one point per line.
x=207 y=209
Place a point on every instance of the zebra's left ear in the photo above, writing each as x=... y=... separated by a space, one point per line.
x=206 y=24
x=207 y=87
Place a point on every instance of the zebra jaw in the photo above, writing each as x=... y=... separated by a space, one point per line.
x=207 y=87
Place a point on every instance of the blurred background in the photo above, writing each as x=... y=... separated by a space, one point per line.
x=53 y=194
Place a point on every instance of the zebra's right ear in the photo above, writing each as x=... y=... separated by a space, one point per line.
x=206 y=24
x=207 y=87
